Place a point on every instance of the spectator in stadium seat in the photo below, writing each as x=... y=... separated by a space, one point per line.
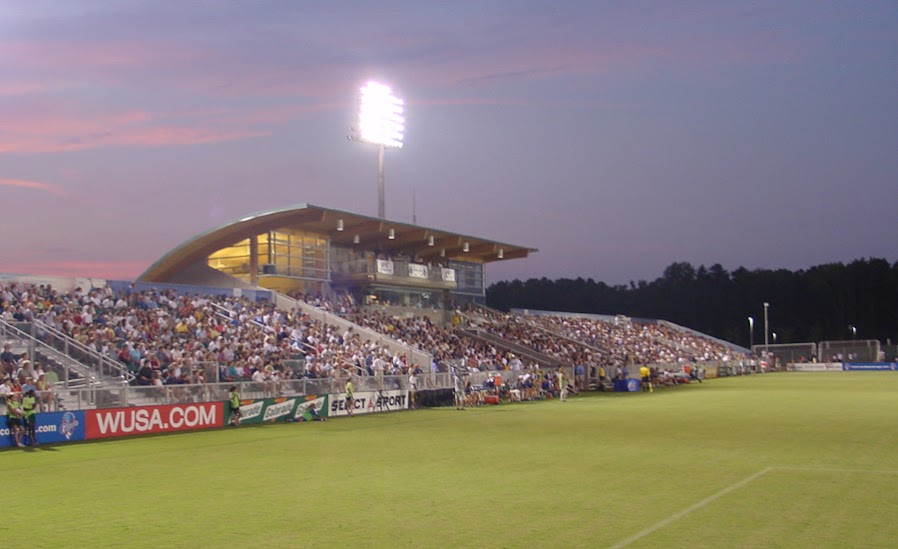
x=145 y=374
x=8 y=360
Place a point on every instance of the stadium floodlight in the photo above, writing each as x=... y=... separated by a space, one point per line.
x=853 y=331
x=751 y=334
x=382 y=123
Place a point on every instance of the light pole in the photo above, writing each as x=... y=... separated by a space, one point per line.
x=751 y=334
x=381 y=122
x=766 y=332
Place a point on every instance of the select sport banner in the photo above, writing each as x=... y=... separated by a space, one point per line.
x=51 y=427
x=279 y=409
x=143 y=420
x=367 y=402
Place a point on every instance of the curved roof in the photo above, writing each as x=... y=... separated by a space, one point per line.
x=372 y=232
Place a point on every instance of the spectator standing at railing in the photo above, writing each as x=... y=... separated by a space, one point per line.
x=646 y=376
x=234 y=398
x=413 y=389
x=29 y=415
x=562 y=386
x=14 y=415
x=459 y=388
x=349 y=396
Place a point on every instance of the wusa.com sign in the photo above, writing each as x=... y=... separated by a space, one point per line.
x=118 y=422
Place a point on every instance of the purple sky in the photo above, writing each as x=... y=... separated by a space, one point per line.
x=615 y=137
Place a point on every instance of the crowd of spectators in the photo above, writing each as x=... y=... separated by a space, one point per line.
x=447 y=345
x=608 y=344
x=168 y=338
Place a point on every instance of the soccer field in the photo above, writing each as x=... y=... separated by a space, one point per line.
x=780 y=460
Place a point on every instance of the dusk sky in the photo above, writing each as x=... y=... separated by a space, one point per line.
x=615 y=137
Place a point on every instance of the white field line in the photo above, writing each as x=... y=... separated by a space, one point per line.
x=694 y=507
x=736 y=486
x=839 y=470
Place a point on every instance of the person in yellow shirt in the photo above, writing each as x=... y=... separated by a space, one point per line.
x=646 y=376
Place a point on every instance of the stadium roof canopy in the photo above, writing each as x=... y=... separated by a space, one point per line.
x=373 y=234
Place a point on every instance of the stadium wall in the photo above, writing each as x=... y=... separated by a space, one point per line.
x=103 y=423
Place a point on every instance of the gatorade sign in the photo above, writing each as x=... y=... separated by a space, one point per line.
x=120 y=422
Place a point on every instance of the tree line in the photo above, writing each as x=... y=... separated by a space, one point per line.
x=834 y=301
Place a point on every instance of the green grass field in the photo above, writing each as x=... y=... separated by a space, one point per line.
x=782 y=460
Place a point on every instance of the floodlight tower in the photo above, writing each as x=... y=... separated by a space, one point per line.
x=382 y=123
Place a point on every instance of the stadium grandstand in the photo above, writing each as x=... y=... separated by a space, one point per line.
x=296 y=301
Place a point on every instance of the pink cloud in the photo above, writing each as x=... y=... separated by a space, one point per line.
x=22 y=88
x=38 y=130
x=47 y=187
x=113 y=270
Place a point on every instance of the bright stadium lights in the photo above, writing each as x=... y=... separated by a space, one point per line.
x=382 y=123
x=751 y=333
x=381 y=118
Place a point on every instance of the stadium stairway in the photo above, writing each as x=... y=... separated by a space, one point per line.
x=524 y=352
x=415 y=356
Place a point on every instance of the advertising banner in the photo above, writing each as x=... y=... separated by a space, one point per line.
x=814 y=367
x=142 y=420
x=448 y=275
x=369 y=402
x=417 y=271
x=51 y=427
x=384 y=267
x=278 y=409
x=869 y=366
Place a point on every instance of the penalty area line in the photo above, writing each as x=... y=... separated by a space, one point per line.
x=694 y=507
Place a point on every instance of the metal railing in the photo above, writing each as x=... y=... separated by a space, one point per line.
x=78 y=355
x=123 y=395
x=69 y=369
